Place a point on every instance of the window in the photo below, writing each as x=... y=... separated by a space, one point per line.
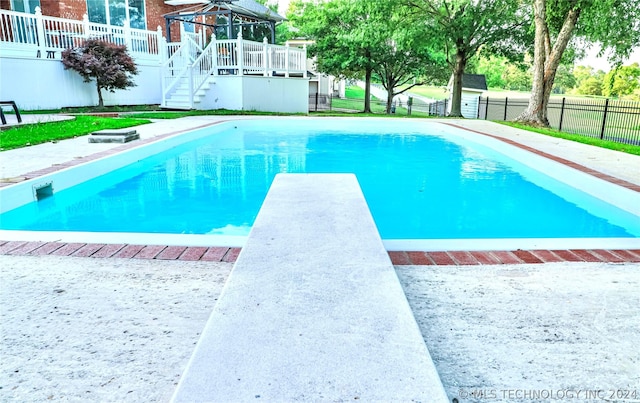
x=25 y=6
x=116 y=12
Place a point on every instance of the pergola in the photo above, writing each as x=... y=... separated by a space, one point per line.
x=238 y=13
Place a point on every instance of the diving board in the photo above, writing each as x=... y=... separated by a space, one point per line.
x=312 y=310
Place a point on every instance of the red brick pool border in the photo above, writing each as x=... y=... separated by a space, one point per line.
x=225 y=254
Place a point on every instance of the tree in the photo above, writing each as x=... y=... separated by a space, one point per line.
x=516 y=78
x=341 y=47
x=622 y=81
x=109 y=64
x=355 y=38
x=588 y=81
x=466 y=26
x=614 y=24
x=565 y=80
x=404 y=54
x=493 y=68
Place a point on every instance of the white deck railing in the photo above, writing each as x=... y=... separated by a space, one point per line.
x=36 y=35
x=259 y=58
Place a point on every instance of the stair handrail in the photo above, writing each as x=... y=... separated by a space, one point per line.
x=169 y=73
x=203 y=67
x=186 y=55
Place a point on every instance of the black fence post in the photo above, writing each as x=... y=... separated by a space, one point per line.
x=506 y=105
x=486 y=110
x=561 y=114
x=604 y=118
x=316 y=101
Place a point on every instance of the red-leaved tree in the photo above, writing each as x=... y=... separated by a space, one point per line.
x=109 y=64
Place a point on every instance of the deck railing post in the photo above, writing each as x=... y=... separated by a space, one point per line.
x=604 y=118
x=240 y=52
x=86 y=29
x=304 y=60
x=126 y=31
x=162 y=46
x=265 y=57
x=214 y=54
x=163 y=51
x=42 y=44
x=286 y=60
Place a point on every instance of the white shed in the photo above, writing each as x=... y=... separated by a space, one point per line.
x=473 y=85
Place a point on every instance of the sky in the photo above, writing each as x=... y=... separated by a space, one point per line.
x=598 y=63
x=601 y=63
x=283 y=5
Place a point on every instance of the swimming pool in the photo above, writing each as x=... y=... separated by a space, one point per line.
x=422 y=182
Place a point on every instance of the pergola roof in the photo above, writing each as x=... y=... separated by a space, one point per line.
x=248 y=8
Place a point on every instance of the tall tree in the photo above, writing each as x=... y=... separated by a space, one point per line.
x=342 y=46
x=465 y=26
x=614 y=24
x=356 y=38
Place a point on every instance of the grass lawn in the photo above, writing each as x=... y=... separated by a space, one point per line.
x=38 y=133
x=612 y=145
x=429 y=91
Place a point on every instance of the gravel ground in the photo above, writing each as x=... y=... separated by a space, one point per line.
x=531 y=332
x=83 y=329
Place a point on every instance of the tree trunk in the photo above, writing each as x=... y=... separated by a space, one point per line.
x=456 y=91
x=367 y=90
x=545 y=63
x=100 y=101
x=389 y=99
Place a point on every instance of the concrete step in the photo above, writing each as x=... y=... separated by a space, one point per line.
x=313 y=309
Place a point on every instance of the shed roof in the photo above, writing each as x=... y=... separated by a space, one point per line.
x=471 y=82
x=474 y=81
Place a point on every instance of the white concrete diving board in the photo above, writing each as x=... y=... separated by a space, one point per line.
x=313 y=309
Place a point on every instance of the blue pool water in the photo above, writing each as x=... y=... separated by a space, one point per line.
x=417 y=185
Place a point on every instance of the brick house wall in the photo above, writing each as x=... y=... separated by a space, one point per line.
x=70 y=9
x=155 y=9
x=75 y=9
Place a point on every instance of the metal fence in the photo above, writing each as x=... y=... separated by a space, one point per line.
x=605 y=119
x=416 y=107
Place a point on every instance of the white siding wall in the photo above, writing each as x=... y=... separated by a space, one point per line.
x=249 y=93
x=469 y=107
x=469 y=104
x=45 y=84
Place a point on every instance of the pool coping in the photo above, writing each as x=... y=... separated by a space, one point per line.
x=229 y=254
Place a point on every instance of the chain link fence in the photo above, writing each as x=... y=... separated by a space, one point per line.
x=412 y=107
